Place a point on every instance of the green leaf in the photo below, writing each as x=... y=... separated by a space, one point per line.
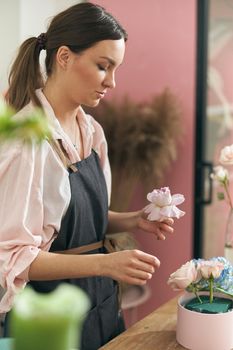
x=32 y=127
x=218 y=289
x=220 y=196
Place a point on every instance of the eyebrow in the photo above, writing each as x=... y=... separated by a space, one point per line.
x=112 y=62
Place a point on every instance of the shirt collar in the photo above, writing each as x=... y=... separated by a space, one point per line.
x=86 y=128
x=57 y=131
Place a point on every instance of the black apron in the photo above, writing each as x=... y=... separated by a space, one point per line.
x=85 y=222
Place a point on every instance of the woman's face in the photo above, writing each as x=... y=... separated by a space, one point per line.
x=90 y=74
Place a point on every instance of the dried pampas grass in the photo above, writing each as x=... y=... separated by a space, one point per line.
x=142 y=139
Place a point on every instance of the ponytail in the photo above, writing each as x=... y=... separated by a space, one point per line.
x=79 y=27
x=25 y=75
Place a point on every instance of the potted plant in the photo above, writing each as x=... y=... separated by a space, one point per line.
x=205 y=311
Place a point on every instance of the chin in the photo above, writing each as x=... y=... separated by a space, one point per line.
x=93 y=103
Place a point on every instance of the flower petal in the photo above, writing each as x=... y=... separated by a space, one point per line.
x=177 y=199
x=172 y=211
x=154 y=214
x=160 y=197
x=148 y=208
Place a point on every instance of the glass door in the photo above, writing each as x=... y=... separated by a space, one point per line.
x=214 y=116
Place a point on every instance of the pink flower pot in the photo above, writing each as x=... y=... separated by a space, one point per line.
x=198 y=331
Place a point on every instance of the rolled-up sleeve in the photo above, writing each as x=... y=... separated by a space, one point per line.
x=34 y=198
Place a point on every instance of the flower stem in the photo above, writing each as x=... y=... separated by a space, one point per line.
x=211 y=280
x=228 y=194
x=199 y=299
x=194 y=290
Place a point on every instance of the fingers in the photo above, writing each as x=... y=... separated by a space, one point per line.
x=142 y=267
x=147 y=258
x=168 y=221
x=136 y=281
x=159 y=228
x=132 y=266
x=139 y=274
x=160 y=235
x=164 y=227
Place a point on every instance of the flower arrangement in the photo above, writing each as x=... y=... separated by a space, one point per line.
x=33 y=126
x=212 y=308
x=163 y=205
x=211 y=276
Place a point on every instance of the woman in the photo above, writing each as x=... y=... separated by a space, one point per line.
x=58 y=193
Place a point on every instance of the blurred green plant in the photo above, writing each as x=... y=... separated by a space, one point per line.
x=32 y=127
x=49 y=321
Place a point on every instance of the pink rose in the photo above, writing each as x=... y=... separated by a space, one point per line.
x=210 y=268
x=184 y=276
x=163 y=205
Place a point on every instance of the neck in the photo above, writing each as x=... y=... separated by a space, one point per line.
x=64 y=111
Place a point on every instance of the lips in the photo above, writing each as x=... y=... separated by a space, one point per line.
x=100 y=93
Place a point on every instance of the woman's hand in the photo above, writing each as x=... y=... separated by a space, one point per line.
x=129 y=266
x=159 y=229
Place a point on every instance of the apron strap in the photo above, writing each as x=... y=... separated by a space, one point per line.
x=106 y=243
x=61 y=152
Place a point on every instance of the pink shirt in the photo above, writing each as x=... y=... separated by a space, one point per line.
x=35 y=194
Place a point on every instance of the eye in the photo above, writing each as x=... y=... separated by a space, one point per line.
x=102 y=67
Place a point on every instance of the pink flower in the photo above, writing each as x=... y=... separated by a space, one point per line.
x=163 y=205
x=184 y=276
x=210 y=268
x=226 y=155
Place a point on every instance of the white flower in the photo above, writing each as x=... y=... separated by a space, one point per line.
x=163 y=205
x=226 y=155
x=220 y=174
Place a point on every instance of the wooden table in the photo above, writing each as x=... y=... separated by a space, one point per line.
x=155 y=332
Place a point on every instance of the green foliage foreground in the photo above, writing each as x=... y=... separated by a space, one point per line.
x=32 y=127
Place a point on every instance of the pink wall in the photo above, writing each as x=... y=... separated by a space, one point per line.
x=161 y=53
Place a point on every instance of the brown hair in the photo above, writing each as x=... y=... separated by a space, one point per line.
x=79 y=27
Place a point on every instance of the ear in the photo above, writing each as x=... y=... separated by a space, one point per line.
x=63 y=56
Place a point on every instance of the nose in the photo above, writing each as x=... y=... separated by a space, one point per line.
x=110 y=81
